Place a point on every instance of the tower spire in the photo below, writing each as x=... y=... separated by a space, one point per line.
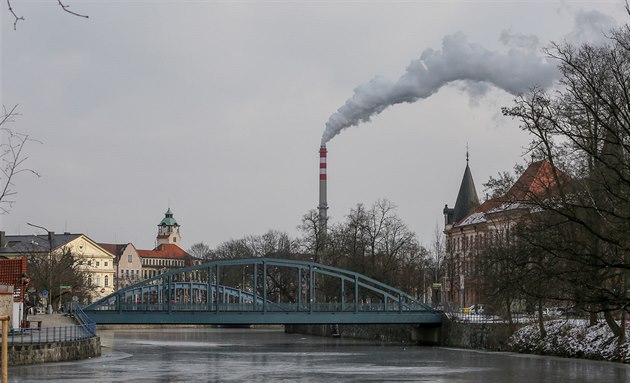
x=467 y=154
x=467 y=200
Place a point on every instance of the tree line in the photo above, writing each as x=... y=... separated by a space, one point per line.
x=373 y=241
x=571 y=244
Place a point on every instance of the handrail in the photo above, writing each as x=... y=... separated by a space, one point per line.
x=84 y=330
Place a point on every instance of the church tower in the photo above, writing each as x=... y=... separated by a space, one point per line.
x=467 y=200
x=168 y=230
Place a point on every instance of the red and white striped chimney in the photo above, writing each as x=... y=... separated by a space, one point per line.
x=323 y=204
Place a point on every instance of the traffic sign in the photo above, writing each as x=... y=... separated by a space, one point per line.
x=45 y=293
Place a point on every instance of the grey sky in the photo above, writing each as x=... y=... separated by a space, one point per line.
x=217 y=108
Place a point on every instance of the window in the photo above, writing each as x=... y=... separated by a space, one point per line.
x=98 y=263
x=98 y=280
x=105 y=263
x=174 y=239
x=106 y=280
x=90 y=263
x=129 y=258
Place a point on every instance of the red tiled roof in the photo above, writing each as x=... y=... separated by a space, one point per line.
x=538 y=180
x=167 y=250
x=114 y=248
x=11 y=271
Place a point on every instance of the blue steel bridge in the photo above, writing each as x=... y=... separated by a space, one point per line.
x=260 y=291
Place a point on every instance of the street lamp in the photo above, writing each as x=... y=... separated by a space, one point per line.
x=50 y=255
x=24 y=281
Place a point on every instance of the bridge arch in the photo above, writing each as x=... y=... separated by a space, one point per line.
x=260 y=290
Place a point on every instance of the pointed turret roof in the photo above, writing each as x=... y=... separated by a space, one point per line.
x=467 y=200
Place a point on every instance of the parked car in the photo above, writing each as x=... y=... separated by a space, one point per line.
x=474 y=309
x=553 y=311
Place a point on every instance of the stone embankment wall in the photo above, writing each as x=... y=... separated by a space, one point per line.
x=21 y=354
x=483 y=336
x=480 y=336
x=395 y=333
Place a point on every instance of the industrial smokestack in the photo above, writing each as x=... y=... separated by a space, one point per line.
x=323 y=203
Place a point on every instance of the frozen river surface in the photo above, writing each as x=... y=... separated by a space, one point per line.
x=244 y=355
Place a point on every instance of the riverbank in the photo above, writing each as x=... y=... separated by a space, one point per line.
x=52 y=338
x=572 y=338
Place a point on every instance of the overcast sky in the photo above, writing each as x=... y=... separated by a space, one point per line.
x=217 y=109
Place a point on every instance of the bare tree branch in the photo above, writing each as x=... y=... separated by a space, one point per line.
x=65 y=8
x=14 y=15
x=12 y=158
x=62 y=5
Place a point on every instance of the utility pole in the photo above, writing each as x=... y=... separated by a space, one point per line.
x=50 y=256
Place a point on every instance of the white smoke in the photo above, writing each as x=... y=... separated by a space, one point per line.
x=529 y=43
x=515 y=72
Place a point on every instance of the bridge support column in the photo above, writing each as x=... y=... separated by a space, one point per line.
x=342 y=293
x=356 y=294
x=216 y=288
x=169 y=293
x=311 y=288
x=209 y=289
x=299 y=287
x=264 y=284
x=255 y=286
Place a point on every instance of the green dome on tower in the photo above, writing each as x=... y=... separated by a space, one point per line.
x=168 y=219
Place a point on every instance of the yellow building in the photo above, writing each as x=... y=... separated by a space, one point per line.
x=91 y=258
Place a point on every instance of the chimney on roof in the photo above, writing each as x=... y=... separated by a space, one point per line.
x=51 y=238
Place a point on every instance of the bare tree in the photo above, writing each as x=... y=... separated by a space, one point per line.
x=200 y=251
x=313 y=239
x=50 y=271
x=584 y=130
x=66 y=8
x=13 y=157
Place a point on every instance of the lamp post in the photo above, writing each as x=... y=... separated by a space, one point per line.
x=24 y=282
x=50 y=255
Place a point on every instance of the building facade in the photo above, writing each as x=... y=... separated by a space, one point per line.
x=96 y=262
x=128 y=264
x=469 y=227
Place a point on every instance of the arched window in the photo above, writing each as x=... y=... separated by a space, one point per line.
x=106 y=280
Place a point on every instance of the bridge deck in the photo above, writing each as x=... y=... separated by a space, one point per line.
x=244 y=317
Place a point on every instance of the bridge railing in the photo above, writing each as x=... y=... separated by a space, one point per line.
x=84 y=330
x=260 y=307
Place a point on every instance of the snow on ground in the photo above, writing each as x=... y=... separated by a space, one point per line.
x=572 y=338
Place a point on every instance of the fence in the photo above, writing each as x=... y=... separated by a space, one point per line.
x=524 y=318
x=85 y=329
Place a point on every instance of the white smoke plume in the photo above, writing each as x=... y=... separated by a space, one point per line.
x=515 y=72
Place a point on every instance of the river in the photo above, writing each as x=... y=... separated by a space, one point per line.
x=269 y=355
